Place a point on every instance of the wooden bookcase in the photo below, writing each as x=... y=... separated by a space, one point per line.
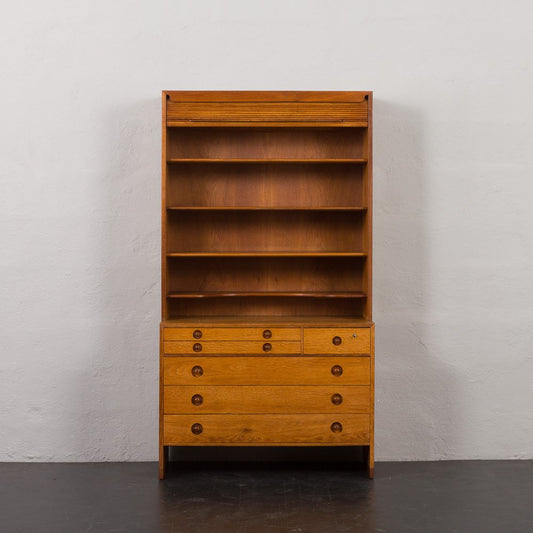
x=267 y=335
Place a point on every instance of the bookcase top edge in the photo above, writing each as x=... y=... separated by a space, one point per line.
x=264 y=96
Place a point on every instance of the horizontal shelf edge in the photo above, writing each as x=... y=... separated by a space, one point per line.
x=265 y=208
x=267 y=161
x=265 y=124
x=283 y=294
x=267 y=254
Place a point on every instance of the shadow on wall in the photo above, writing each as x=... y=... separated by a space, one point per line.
x=417 y=411
x=117 y=390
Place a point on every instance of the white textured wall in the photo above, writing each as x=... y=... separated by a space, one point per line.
x=79 y=208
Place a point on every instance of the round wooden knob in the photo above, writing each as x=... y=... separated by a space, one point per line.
x=267 y=334
x=337 y=341
x=197 y=371
x=267 y=347
x=336 y=427
x=197 y=334
x=197 y=428
x=336 y=399
x=336 y=370
x=197 y=347
x=197 y=399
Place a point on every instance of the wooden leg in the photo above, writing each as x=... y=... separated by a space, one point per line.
x=370 y=461
x=163 y=459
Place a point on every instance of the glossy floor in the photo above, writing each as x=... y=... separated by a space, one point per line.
x=467 y=496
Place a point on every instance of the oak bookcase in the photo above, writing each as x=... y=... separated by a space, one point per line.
x=267 y=335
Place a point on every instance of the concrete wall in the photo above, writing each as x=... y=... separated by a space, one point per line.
x=79 y=208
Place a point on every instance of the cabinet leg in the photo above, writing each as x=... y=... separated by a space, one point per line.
x=368 y=459
x=163 y=460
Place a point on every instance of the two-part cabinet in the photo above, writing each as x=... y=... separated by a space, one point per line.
x=267 y=337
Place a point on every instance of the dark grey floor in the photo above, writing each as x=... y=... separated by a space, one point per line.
x=469 y=496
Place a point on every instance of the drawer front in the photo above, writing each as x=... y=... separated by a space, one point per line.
x=232 y=347
x=337 y=340
x=267 y=370
x=347 y=429
x=231 y=334
x=265 y=399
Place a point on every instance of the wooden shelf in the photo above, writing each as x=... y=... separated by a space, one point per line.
x=267 y=254
x=241 y=294
x=231 y=160
x=268 y=320
x=265 y=208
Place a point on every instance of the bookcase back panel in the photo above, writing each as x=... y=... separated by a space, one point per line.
x=267 y=143
x=297 y=274
x=265 y=306
x=265 y=231
x=265 y=185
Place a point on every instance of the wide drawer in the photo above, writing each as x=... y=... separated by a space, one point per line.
x=232 y=347
x=347 y=429
x=337 y=340
x=266 y=370
x=266 y=399
x=231 y=334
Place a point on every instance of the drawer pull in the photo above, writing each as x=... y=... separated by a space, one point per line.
x=336 y=399
x=197 y=399
x=336 y=370
x=197 y=347
x=337 y=341
x=267 y=334
x=336 y=427
x=197 y=428
x=197 y=371
x=197 y=334
x=267 y=347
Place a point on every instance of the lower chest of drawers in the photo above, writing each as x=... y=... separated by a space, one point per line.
x=307 y=387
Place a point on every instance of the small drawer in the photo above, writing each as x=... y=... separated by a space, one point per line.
x=249 y=399
x=231 y=334
x=337 y=341
x=202 y=429
x=274 y=370
x=201 y=347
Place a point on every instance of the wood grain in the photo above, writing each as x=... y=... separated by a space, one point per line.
x=266 y=399
x=267 y=96
x=267 y=224
x=275 y=428
x=232 y=347
x=265 y=184
x=264 y=145
x=353 y=113
x=228 y=333
x=267 y=370
x=265 y=232
x=353 y=341
x=262 y=322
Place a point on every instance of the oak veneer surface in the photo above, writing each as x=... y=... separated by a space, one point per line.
x=250 y=399
x=261 y=429
x=263 y=274
x=266 y=306
x=269 y=185
x=266 y=322
x=267 y=227
x=266 y=370
x=229 y=347
x=225 y=333
x=265 y=144
x=266 y=231
x=337 y=340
